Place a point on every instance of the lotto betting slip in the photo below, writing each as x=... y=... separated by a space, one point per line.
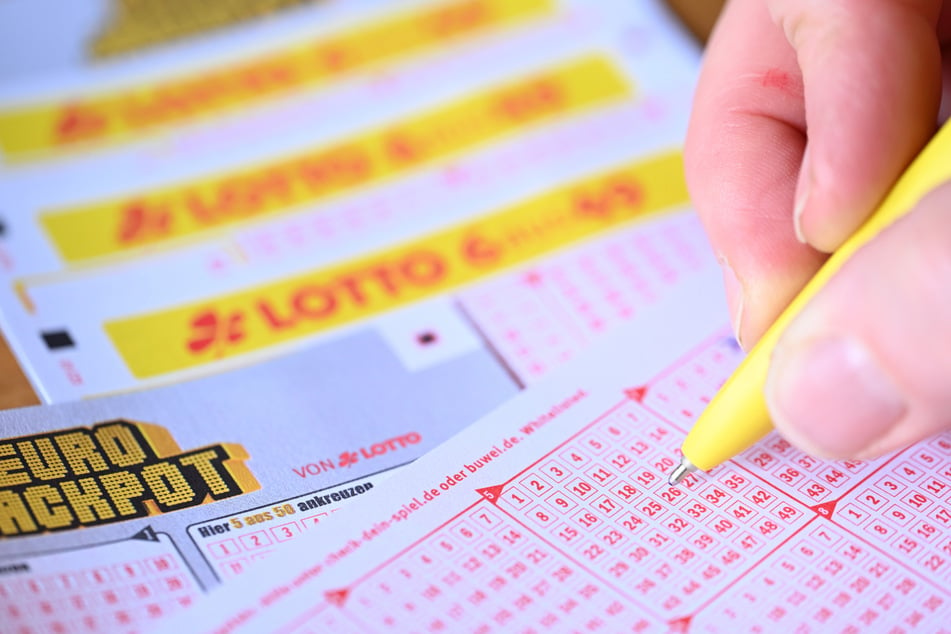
x=230 y=200
x=553 y=513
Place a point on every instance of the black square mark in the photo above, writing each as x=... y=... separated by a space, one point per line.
x=57 y=339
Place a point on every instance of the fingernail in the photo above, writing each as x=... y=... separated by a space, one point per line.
x=831 y=398
x=802 y=195
x=734 y=297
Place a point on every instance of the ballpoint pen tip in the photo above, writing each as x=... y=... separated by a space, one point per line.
x=680 y=472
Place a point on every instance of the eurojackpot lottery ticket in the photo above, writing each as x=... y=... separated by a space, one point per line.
x=255 y=220
x=115 y=512
x=554 y=514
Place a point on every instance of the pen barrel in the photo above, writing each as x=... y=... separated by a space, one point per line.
x=737 y=416
x=735 y=419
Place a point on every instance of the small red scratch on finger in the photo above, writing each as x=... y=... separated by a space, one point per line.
x=782 y=81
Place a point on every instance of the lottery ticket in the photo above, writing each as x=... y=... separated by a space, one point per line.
x=87 y=33
x=574 y=294
x=49 y=113
x=518 y=121
x=553 y=513
x=115 y=512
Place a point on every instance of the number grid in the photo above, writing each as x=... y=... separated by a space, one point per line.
x=590 y=536
x=540 y=318
x=845 y=495
x=112 y=589
x=231 y=555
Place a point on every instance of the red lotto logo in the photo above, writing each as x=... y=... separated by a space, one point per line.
x=143 y=222
x=214 y=331
x=78 y=123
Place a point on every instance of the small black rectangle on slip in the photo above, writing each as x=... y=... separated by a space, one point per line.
x=3 y=228
x=57 y=339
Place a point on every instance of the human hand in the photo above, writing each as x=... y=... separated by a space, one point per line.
x=806 y=113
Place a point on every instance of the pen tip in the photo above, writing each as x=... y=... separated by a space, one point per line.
x=680 y=471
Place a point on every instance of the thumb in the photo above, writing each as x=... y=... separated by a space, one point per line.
x=866 y=368
x=871 y=73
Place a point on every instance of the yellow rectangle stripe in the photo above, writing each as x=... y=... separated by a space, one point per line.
x=189 y=336
x=113 y=116
x=185 y=210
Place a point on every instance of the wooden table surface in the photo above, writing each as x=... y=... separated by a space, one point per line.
x=15 y=390
x=698 y=15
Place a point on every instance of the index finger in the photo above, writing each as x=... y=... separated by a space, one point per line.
x=862 y=76
x=744 y=148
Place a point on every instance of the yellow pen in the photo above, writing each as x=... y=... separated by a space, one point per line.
x=737 y=416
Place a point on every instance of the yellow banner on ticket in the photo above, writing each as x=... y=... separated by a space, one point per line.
x=283 y=186
x=189 y=336
x=134 y=111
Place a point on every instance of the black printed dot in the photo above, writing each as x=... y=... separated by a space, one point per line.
x=426 y=338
